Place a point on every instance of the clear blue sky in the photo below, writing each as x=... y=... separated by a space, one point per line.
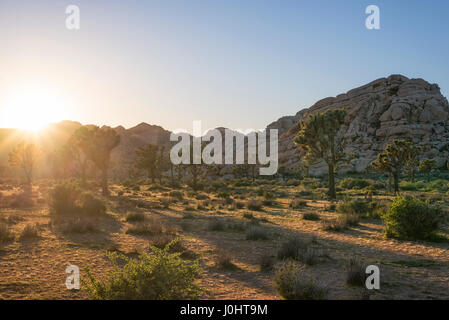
x=239 y=64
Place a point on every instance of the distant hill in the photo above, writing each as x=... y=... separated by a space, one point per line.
x=378 y=112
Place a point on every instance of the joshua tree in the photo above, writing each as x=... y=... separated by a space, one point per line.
x=412 y=160
x=25 y=156
x=426 y=166
x=62 y=160
x=150 y=159
x=103 y=141
x=318 y=137
x=80 y=144
x=394 y=159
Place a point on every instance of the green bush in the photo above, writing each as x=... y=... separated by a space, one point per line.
x=354 y=183
x=293 y=284
x=348 y=205
x=437 y=186
x=411 y=186
x=360 y=207
x=160 y=275
x=411 y=218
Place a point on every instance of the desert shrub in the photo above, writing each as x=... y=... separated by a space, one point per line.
x=375 y=210
x=216 y=225
x=257 y=233
x=162 y=240
x=224 y=261
x=439 y=185
x=92 y=205
x=5 y=233
x=411 y=186
x=176 y=194
x=266 y=263
x=165 y=202
x=152 y=227
x=293 y=182
x=30 y=231
x=298 y=203
x=223 y=195
x=135 y=217
x=237 y=226
x=79 y=225
x=297 y=249
x=20 y=200
x=228 y=201
x=411 y=218
x=360 y=207
x=63 y=199
x=355 y=273
x=348 y=206
x=290 y=248
x=339 y=224
x=303 y=193
x=249 y=216
x=201 y=196
x=354 y=183
x=239 y=204
x=311 y=216
x=160 y=275
x=293 y=284
x=254 y=204
x=350 y=219
x=267 y=195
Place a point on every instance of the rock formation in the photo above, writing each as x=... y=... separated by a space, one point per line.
x=388 y=108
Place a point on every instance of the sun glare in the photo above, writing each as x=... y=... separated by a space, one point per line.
x=31 y=107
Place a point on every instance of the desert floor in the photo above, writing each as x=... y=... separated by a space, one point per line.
x=35 y=268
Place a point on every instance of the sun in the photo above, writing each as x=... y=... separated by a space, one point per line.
x=31 y=107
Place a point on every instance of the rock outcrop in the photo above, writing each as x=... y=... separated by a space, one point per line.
x=388 y=108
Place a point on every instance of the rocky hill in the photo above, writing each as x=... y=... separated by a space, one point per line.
x=378 y=112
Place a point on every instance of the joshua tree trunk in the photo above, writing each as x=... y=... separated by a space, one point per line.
x=396 y=181
x=172 y=175
x=332 y=194
x=104 y=181
x=390 y=187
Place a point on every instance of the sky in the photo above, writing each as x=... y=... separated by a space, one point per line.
x=237 y=64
